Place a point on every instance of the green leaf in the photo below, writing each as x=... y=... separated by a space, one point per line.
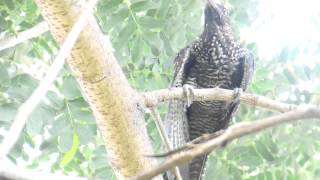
x=28 y=139
x=70 y=88
x=54 y=100
x=85 y=133
x=83 y=116
x=216 y=169
x=164 y=8
x=151 y=23
x=263 y=151
x=137 y=50
x=65 y=140
x=245 y=156
x=9 y=4
x=80 y=111
x=4 y=75
x=98 y=163
x=143 y=6
x=112 y=3
x=78 y=103
x=100 y=151
x=154 y=42
x=262 y=87
x=166 y=44
x=44 y=44
x=49 y=146
x=124 y=35
x=68 y=156
x=117 y=17
x=234 y=171
x=40 y=116
x=104 y=173
x=271 y=144
x=22 y=86
x=8 y=112
x=59 y=125
x=35 y=121
x=21 y=50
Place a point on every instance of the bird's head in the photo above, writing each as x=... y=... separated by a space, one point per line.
x=215 y=14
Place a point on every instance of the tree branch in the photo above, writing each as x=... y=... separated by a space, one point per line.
x=233 y=132
x=153 y=98
x=33 y=32
x=113 y=102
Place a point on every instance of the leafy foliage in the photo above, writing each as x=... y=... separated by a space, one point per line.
x=146 y=34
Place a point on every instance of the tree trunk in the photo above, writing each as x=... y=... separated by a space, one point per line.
x=114 y=103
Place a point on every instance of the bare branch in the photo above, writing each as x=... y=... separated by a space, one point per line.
x=156 y=116
x=26 y=108
x=153 y=98
x=236 y=131
x=33 y=32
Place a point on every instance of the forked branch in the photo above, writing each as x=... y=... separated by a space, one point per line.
x=233 y=132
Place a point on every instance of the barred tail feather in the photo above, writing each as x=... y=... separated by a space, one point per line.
x=177 y=129
x=197 y=167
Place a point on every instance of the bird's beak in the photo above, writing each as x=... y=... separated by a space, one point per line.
x=217 y=9
x=218 y=12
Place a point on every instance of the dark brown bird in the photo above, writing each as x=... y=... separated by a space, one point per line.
x=215 y=59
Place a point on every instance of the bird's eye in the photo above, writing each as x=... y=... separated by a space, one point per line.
x=225 y=11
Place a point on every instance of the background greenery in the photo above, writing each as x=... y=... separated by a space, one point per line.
x=61 y=135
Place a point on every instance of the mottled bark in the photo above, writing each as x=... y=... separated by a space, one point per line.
x=114 y=103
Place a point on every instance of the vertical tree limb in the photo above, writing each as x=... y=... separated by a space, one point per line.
x=113 y=101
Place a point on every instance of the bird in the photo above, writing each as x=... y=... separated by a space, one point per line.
x=215 y=59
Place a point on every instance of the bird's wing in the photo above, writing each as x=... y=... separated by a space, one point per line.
x=247 y=67
x=242 y=77
x=180 y=62
x=176 y=118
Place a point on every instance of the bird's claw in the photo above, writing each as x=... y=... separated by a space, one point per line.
x=188 y=93
x=236 y=94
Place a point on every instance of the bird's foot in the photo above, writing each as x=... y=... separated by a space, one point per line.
x=188 y=93
x=236 y=94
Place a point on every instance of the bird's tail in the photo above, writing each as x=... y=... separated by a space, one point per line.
x=177 y=130
x=184 y=172
x=197 y=167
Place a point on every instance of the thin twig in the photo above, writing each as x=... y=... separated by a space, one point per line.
x=157 y=118
x=153 y=98
x=164 y=137
x=20 y=37
x=30 y=104
x=236 y=131
x=191 y=144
